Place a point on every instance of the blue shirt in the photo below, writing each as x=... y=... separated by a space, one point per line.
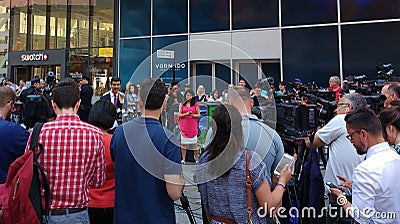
x=13 y=140
x=143 y=152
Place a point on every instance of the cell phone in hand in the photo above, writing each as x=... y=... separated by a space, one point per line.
x=331 y=185
x=190 y=112
x=286 y=159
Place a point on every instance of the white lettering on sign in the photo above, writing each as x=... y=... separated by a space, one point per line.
x=35 y=57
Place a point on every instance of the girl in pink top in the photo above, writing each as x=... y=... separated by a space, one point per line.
x=189 y=111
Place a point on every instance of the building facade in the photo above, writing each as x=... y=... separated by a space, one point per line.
x=218 y=42
x=62 y=36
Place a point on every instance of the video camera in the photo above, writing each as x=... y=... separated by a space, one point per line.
x=386 y=72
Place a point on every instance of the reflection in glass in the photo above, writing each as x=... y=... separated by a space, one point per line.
x=209 y=15
x=79 y=23
x=103 y=24
x=58 y=24
x=308 y=12
x=357 y=38
x=133 y=65
x=135 y=18
x=353 y=10
x=204 y=77
x=310 y=53
x=37 y=29
x=167 y=68
x=169 y=17
x=18 y=25
x=250 y=14
x=222 y=76
x=249 y=73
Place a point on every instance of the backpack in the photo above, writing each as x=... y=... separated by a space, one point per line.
x=21 y=195
x=36 y=108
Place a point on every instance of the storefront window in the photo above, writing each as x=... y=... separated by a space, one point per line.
x=79 y=23
x=101 y=69
x=58 y=24
x=103 y=24
x=209 y=15
x=254 y=14
x=135 y=18
x=18 y=25
x=169 y=17
x=37 y=30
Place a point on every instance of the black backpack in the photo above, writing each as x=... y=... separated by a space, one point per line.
x=36 y=108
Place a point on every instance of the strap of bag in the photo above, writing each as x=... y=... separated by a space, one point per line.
x=248 y=187
x=32 y=146
x=34 y=140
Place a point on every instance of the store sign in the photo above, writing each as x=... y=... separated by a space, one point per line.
x=165 y=66
x=34 y=57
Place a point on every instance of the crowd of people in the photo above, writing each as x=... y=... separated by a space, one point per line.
x=102 y=171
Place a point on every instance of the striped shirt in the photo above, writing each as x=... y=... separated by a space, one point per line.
x=73 y=160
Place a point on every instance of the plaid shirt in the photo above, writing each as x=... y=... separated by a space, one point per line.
x=73 y=160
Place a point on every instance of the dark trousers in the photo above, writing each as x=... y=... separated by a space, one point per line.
x=101 y=215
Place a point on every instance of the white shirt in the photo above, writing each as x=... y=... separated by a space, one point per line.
x=343 y=157
x=376 y=186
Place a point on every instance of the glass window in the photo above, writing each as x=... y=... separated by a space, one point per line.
x=271 y=70
x=249 y=73
x=79 y=23
x=103 y=24
x=308 y=12
x=310 y=53
x=78 y=61
x=222 y=77
x=209 y=15
x=135 y=18
x=58 y=24
x=37 y=32
x=169 y=17
x=101 y=67
x=18 y=25
x=135 y=60
x=247 y=14
x=204 y=77
x=167 y=67
x=352 y=10
x=357 y=38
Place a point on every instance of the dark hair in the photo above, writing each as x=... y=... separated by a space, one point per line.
x=389 y=115
x=282 y=83
x=191 y=100
x=228 y=135
x=394 y=89
x=174 y=83
x=103 y=114
x=115 y=79
x=364 y=118
x=66 y=93
x=152 y=93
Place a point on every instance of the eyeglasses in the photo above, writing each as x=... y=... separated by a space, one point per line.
x=350 y=136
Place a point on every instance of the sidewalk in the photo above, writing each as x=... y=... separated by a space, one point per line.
x=193 y=196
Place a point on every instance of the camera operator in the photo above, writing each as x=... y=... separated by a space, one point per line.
x=334 y=86
x=343 y=157
x=391 y=90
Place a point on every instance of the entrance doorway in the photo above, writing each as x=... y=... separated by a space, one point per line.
x=29 y=72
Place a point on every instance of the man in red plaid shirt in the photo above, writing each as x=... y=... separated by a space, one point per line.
x=73 y=157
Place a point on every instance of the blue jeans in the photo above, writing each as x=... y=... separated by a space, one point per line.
x=74 y=218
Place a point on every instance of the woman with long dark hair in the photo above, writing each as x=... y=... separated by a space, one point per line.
x=221 y=174
x=390 y=120
x=189 y=111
